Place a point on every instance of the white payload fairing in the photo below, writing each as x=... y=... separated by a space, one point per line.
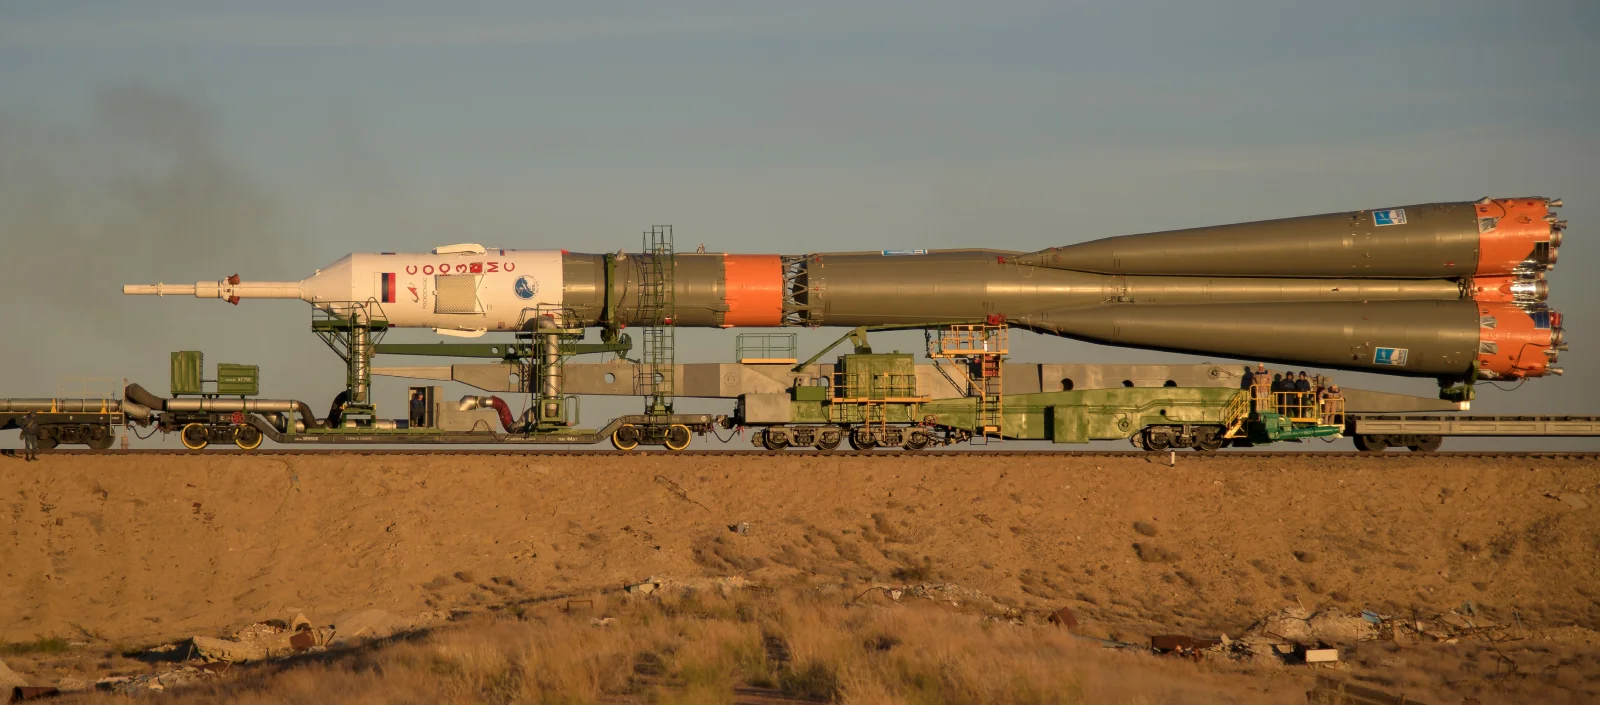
x=455 y=289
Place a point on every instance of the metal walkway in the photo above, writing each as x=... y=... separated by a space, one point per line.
x=1477 y=425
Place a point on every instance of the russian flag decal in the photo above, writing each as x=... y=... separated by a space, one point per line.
x=387 y=290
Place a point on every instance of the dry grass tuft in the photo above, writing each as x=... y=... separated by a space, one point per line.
x=698 y=647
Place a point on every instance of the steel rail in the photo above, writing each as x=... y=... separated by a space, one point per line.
x=1185 y=455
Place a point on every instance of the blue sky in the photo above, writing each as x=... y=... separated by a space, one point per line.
x=176 y=141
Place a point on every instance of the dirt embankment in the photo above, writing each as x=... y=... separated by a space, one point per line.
x=146 y=547
x=140 y=549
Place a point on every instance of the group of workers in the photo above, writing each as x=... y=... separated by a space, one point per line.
x=1305 y=396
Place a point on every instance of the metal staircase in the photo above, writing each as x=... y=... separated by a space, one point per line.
x=979 y=350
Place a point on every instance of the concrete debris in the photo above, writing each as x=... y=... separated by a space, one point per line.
x=1336 y=627
x=1182 y=645
x=724 y=585
x=742 y=528
x=602 y=621
x=378 y=624
x=1448 y=628
x=214 y=649
x=945 y=592
x=155 y=682
x=1330 y=626
x=643 y=588
x=259 y=631
x=1321 y=655
x=10 y=679
x=1257 y=650
x=72 y=685
x=275 y=639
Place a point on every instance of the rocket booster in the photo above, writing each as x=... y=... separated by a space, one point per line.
x=1447 y=289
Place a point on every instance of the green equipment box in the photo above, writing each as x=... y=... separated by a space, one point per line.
x=232 y=380
x=238 y=380
x=187 y=372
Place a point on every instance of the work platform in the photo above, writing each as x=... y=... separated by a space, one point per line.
x=1477 y=425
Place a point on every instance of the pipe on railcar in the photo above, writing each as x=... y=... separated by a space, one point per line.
x=470 y=402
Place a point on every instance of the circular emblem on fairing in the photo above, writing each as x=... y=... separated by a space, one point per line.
x=527 y=287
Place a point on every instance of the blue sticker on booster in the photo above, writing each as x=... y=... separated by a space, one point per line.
x=1390 y=356
x=1393 y=216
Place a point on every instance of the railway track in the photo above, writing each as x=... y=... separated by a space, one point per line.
x=1186 y=456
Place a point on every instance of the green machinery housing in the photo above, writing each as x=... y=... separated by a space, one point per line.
x=875 y=400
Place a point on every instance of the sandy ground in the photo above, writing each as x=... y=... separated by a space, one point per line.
x=140 y=549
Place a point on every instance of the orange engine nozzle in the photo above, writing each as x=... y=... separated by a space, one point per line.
x=1514 y=343
x=1517 y=236
x=1523 y=290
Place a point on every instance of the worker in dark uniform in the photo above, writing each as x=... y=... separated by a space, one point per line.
x=419 y=410
x=1275 y=392
x=30 y=436
x=1302 y=387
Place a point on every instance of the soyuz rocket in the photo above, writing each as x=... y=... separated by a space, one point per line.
x=1449 y=290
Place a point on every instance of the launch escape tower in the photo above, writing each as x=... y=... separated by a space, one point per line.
x=654 y=380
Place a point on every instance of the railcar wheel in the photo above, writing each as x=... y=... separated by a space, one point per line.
x=1153 y=441
x=916 y=440
x=773 y=441
x=100 y=438
x=626 y=437
x=861 y=439
x=247 y=437
x=47 y=442
x=828 y=440
x=195 y=436
x=1370 y=444
x=677 y=437
x=1207 y=440
x=1427 y=444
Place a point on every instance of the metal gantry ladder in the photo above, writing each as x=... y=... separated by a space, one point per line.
x=980 y=350
x=658 y=314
